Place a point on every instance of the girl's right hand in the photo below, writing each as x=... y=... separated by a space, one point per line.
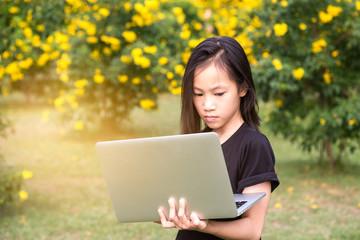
x=178 y=218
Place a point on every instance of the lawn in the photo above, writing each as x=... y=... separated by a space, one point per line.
x=68 y=198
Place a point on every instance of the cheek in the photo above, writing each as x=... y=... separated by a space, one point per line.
x=196 y=104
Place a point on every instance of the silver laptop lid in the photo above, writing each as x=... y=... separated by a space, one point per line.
x=142 y=174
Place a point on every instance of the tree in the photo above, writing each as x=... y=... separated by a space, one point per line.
x=96 y=60
x=307 y=65
x=29 y=44
x=122 y=55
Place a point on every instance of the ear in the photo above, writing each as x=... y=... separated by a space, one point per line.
x=242 y=92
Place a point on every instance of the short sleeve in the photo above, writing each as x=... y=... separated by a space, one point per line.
x=257 y=162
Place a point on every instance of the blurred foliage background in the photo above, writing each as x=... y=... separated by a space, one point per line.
x=97 y=60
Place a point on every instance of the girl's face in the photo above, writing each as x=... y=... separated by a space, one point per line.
x=217 y=100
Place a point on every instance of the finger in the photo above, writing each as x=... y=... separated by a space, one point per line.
x=173 y=212
x=182 y=211
x=200 y=224
x=163 y=219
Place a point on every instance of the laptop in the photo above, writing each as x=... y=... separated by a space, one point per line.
x=142 y=174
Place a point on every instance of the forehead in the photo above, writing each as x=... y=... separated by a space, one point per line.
x=212 y=76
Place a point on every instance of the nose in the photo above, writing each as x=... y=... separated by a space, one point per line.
x=209 y=104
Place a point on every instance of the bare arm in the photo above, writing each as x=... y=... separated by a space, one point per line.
x=250 y=226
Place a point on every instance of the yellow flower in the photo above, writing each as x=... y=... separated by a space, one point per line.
x=179 y=69
x=173 y=83
x=325 y=17
x=26 y=64
x=40 y=27
x=318 y=45
x=266 y=55
x=333 y=11
x=278 y=103
x=163 y=61
x=19 y=42
x=27 y=174
x=125 y=59
x=298 y=73
x=123 y=78
x=142 y=61
x=99 y=79
x=104 y=12
x=136 y=81
x=92 y=40
x=302 y=26
x=327 y=78
x=352 y=122
x=169 y=75
x=152 y=4
x=147 y=104
x=46 y=47
x=185 y=34
x=78 y=125
x=284 y=3
x=277 y=64
x=58 y=102
x=23 y=195
x=175 y=90
x=277 y=205
x=335 y=53
x=2 y=72
x=43 y=59
x=115 y=43
x=180 y=19
x=107 y=51
x=197 y=26
x=79 y=91
x=136 y=52
x=150 y=49
x=127 y=6
x=13 y=10
x=177 y=11
x=64 y=77
x=255 y=22
x=194 y=42
x=280 y=29
x=95 y=54
x=81 y=83
x=129 y=36
x=322 y=121
x=314 y=206
x=138 y=20
x=27 y=32
x=154 y=89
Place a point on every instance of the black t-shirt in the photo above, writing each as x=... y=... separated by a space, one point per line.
x=249 y=160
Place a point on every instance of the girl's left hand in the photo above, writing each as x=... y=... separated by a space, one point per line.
x=178 y=218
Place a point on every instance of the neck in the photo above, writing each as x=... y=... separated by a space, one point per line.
x=225 y=134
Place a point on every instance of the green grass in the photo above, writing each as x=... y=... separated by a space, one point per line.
x=68 y=198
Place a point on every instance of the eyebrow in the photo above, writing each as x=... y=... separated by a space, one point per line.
x=211 y=89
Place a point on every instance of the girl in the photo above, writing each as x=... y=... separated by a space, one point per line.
x=218 y=88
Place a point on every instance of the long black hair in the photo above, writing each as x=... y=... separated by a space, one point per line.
x=228 y=54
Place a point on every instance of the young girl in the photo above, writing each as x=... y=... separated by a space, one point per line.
x=218 y=88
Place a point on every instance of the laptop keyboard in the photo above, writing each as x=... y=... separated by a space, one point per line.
x=239 y=204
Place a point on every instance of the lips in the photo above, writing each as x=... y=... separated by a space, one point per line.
x=210 y=118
